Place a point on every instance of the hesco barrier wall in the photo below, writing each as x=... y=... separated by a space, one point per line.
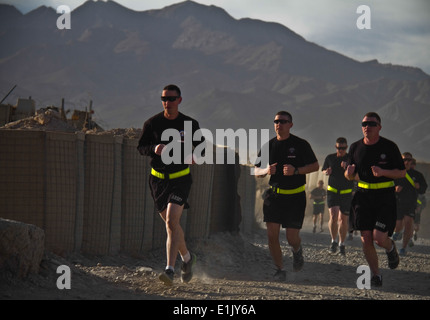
x=90 y=193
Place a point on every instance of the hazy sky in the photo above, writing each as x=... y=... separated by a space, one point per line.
x=399 y=34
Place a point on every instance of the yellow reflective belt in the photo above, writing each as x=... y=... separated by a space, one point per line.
x=410 y=180
x=289 y=191
x=321 y=202
x=330 y=188
x=380 y=185
x=173 y=175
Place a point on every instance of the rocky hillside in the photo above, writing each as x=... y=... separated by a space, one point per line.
x=233 y=73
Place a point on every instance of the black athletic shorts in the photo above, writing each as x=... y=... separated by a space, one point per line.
x=341 y=200
x=165 y=191
x=406 y=208
x=319 y=208
x=285 y=209
x=374 y=209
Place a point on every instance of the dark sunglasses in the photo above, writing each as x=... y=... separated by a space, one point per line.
x=369 y=124
x=341 y=148
x=171 y=99
x=407 y=159
x=281 y=121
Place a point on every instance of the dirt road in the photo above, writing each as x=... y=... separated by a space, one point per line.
x=230 y=267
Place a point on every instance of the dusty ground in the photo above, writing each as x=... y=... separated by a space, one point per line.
x=230 y=267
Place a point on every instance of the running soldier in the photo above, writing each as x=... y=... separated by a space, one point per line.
x=318 y=195
x=170 y=183
x=339 y=194
x=290 y=159
x=377 y=161
x=421 y=202
x=407 y=190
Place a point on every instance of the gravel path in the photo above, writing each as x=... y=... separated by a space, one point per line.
x=231 y=267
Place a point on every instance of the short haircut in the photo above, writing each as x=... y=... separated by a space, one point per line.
x=285 y=113
x=341 y=140
x=407 y=155
x=173 y=87
x=373 y=115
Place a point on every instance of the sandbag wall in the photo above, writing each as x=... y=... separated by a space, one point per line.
x=90 y=193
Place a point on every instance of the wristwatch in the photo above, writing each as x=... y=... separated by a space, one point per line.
x=296 y=171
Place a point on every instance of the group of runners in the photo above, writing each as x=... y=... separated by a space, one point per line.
x=361 y=189
x=410 y=195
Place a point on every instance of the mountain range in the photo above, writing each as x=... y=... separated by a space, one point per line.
x=233 y=73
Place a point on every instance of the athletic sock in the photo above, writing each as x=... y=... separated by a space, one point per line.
x=170 y=267
x=392 y=248
x=186 y=257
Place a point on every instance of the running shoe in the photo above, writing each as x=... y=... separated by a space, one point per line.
x=187 y=269
x=402 y=252
x=333 y=247
x=397 y=236
x=376 y=281
x=298 y=260
x=167 y=277
x=280 y=275
x=342 y=250
x=393 y=257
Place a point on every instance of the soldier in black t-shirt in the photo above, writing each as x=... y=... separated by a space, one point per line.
x=318 y=195
x=421 y=201
x=377 y=162
x=170 y=183
x=407 y=190
x=290 y=159
x=339 y=194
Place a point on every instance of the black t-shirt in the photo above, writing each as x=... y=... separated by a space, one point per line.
x=295 y=151
x=153 y=129
x=408 y=191
x=337 y=178
x=318 y=194
x=384 y=154
x=418 y=177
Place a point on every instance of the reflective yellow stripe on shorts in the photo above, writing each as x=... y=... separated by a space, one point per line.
x=373 y=186
x=330 y=188
x=173 y=175
x=289 y=191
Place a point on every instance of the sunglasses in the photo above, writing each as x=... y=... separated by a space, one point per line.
x=281 y=121
x=341 y=148
x=171 y=99
x=369 y=124
x=407 y=159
